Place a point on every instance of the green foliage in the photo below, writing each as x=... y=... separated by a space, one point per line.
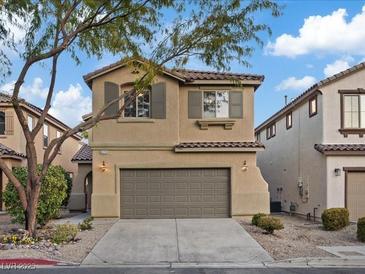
x=53 y=192
x=256 y=218
x=69 y=187
x=270 y=224
x=16 y=239
x=335 y=218
x=64 y=233
x=361 y=229
x=86 y=224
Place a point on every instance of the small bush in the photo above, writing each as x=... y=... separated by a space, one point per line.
x=64 y=233
x=53 y=192
x=335 y=218
x=17 y=239
x=256 y=218
x=361 y=229
x=270 y=224
x=86 y=224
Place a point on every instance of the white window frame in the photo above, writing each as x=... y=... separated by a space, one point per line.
x=136 y=106
x=215 y=91
x=45 y=134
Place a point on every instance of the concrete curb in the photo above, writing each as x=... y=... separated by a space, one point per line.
x=317 y=262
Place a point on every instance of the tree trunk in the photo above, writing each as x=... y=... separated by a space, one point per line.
x=31 y=211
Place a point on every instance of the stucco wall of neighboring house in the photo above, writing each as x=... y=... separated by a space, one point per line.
x=248 y=188
x=336 y=184
x=290 y=155
x=77 y=198
x=332 y=108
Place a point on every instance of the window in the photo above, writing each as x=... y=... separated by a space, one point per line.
x=354 y=111
x=215 y=104
x=271 y=131
x=289 y=120
x=139 y=107
x=258 y=137
x=313 y=106
x=30 y=123
x=45 y=135
x=2 y=122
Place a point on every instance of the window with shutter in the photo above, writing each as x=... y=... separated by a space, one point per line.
x=111 y=92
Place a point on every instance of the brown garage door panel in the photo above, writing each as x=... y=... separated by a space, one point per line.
x=356 y=195
x=175 y=193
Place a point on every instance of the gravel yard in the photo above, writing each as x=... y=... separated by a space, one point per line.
x=300 y=238
x=71 y=252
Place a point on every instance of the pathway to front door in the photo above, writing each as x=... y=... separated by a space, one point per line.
x=201 y=241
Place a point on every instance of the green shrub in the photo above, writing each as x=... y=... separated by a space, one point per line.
x=69 y=188
x=64 y=233
x=335 y=218
x=53 y=192
x=270 y=224
x=256 y=218
x=86 y=224
x=361 y=229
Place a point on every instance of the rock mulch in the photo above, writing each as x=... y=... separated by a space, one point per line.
x=74 y=251
x=300 y=238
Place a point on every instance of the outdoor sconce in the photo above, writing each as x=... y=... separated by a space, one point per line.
x=103 y=167
x=244 y=167
x=337 y=172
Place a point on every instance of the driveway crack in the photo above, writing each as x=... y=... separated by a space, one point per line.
x=177 y=242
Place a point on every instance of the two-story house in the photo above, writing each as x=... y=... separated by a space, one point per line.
x=184 y=149
x=314 y=154
x=13 y=143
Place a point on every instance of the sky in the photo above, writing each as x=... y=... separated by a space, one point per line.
x=312 y=40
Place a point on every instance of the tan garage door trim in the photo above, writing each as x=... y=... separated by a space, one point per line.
x=347 y=170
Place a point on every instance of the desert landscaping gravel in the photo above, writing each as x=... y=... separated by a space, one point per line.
x=71 y=252
x=300 y=238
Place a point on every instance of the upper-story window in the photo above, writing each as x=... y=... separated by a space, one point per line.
x=137 y=107
x=258 y=137
x=354 y=111
x=2 y=122
x=313 y=106
x=58 y=135
x=271 y=131
x=30 y=122
x=215 y=104
x=45 y=135
x=289 y=120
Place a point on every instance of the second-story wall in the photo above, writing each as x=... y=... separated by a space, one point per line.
x=176 y=127
x=289 y=158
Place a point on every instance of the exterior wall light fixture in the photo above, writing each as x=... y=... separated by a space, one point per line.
x=244 y=166
x=103 y=167
x=337 y=172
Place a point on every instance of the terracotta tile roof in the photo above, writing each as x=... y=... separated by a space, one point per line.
x=192 y=75
x=219 y=145
x=5 y=98
x=323 y=148
x=84 y=154
x=6 y=151
x=183 y=74
x=312 y=90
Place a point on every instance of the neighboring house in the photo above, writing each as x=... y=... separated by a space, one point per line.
x=13 y=143
x=314 y=154
x=184 y=149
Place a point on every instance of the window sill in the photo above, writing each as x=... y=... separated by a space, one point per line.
x=226 y=123
x=135 y=120
x=3 y=136
x=354 y=131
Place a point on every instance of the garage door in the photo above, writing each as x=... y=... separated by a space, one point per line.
x=175 y=193
x=356 y=195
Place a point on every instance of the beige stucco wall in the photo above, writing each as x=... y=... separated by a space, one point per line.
x=290 y=155
x=332 y=109
x=249 y=190
x=148 y=143
x=77 y=198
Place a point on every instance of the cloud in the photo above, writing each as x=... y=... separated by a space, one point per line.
x=293 y=83
x=324 y=34
x=32 y=93
x=69 y=105
x=336 y=67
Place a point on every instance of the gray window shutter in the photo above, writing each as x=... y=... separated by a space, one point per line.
x=235 y=104
x=111 y=92
x=195 y=105
x=158 y=101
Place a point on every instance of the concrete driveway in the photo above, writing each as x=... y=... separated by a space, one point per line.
x=180 y=241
